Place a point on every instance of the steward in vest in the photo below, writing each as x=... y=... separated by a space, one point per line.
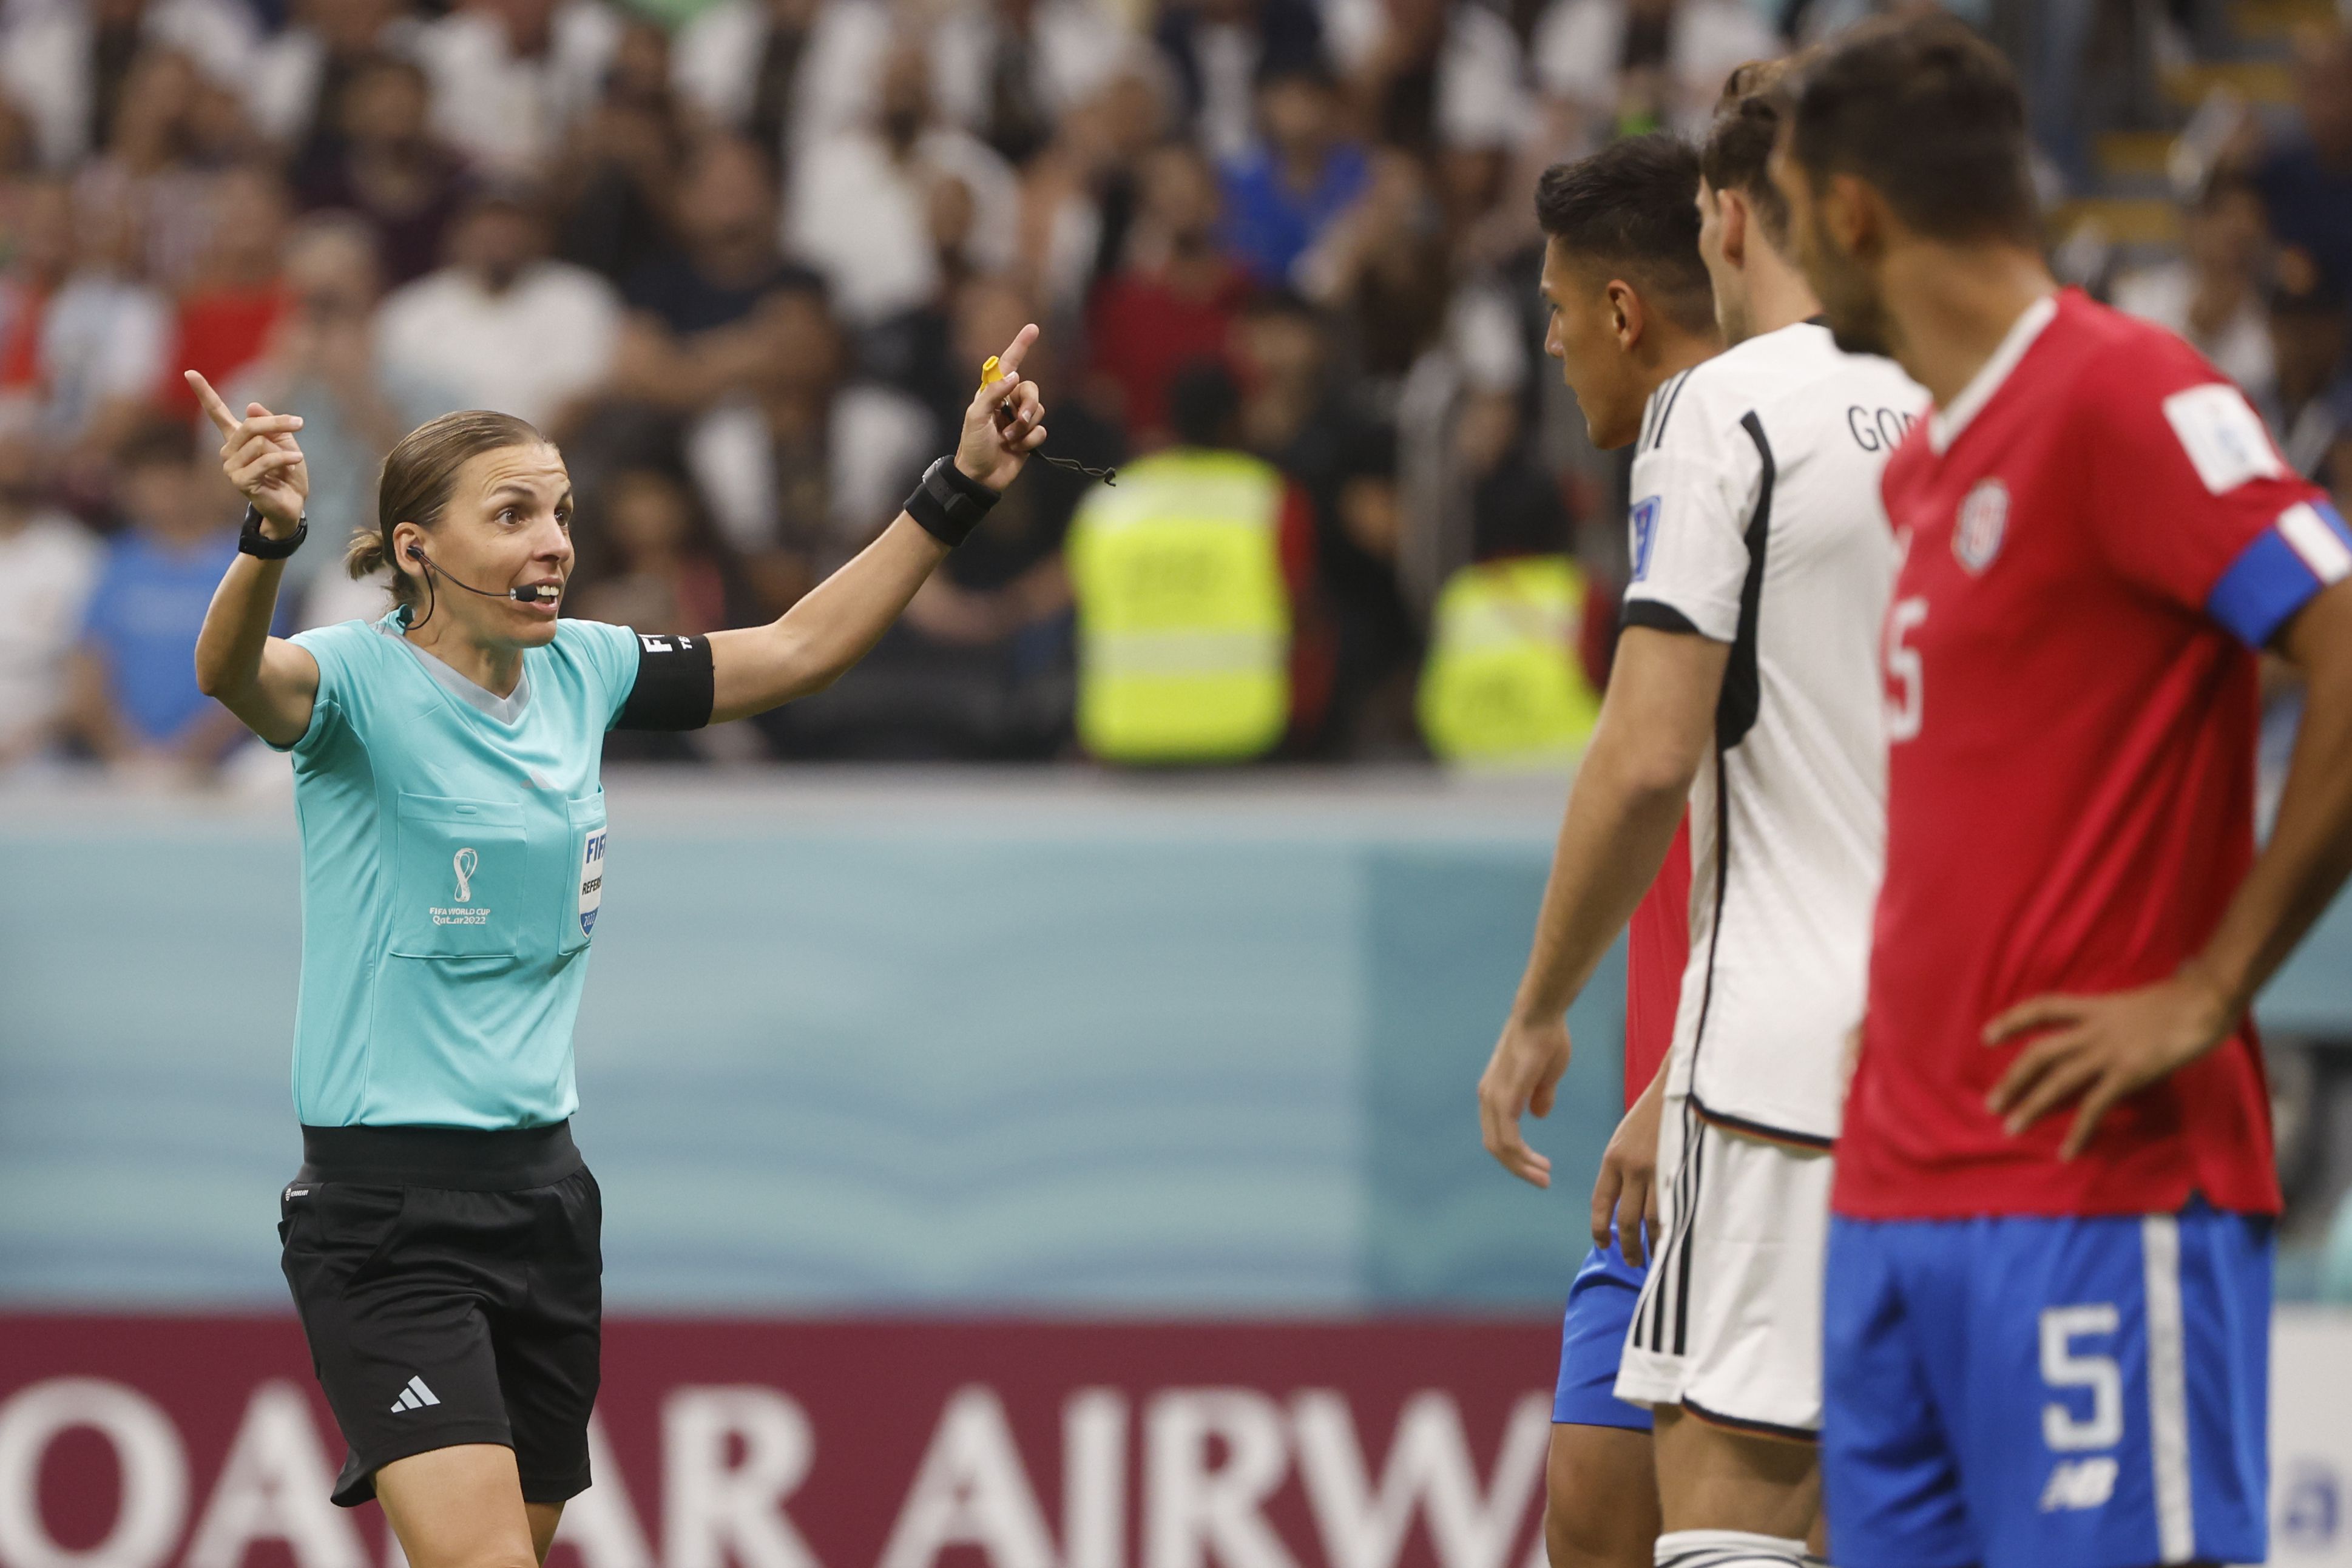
x=1506 y=683
x=1182 y=576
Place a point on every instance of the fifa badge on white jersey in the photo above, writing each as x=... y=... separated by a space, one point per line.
x=1645 y=534
x=1983 y=524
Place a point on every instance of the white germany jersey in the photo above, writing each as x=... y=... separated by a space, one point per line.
x=1757 y=521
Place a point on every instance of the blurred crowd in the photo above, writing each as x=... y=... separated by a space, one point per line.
x=743 y=258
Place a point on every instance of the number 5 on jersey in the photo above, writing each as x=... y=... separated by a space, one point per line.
x=1905 y=677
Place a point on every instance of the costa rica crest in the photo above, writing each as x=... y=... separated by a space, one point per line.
x=1982 y=526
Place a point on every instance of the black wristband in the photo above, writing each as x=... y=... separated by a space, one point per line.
x=251 y=540
x=949 y=504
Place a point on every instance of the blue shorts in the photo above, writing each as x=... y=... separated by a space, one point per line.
x=1591 y=1339
x=2021 y=1392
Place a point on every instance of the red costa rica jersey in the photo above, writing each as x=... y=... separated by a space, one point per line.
x=2098 y=532
x=1657 y=950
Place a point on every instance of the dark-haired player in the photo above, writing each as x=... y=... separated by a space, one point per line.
x=2051 y=1332
x=1744 y=683
x=1630 y=314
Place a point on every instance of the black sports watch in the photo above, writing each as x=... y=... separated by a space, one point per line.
x=251 y=540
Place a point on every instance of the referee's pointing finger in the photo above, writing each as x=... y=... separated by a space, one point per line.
x=214 y=406
x=1008 y=364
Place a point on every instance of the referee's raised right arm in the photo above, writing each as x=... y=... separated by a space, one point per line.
x=267 y=682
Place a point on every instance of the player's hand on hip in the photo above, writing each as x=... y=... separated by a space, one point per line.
x=1519 y=1080
x=2101 y=1048
x=1626 y=1192
x=260 y=458
x=1006 y=422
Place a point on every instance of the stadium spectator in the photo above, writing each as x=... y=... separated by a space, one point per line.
x=895 y=210
x=1610 y=68
x=132 y=678
x=616 y=180
x=986 y=641
x=154 y=166
x=1007 y=71
x=75 y=66
x=1171 y=301
x=502 y=326
x=40 y=227
x=2307 y=180
x=299 y=77
x=786 y=73
x=1426 y=74
x=226 y=315
x=1508 y=681
x=321 y=362
x=661 y=565
x=104 y=336
x=1299 y=415
x=1079 y=197
x=1200 y=635
x=1281 y=196
x=1219 y=48
x=801 y=466
x=48 y=563
x=1384 y=266
x=384 y=163
x=510 y=77
x=2211 y=294
x=724 y=254
x=2310 y=411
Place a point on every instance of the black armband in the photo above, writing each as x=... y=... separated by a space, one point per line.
x=674 y=687
x=949 y=504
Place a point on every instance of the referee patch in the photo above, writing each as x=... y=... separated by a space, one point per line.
x=675 y=685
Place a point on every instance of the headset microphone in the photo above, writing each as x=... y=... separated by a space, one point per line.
x=535 y=593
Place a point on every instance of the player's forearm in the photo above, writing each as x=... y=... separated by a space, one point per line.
x=2302 y=868
x=237 y=628
x=832 y=626
x=1620 y=822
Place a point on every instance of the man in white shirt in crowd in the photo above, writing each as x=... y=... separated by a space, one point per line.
x=511 y=77
x=786 y=73
x=886 y=210
x=48 y=563
x=502 y=326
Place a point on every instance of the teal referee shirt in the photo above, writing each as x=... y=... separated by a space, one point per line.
x=453 y=858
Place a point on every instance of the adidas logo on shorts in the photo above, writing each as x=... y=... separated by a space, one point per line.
x=415 y=1397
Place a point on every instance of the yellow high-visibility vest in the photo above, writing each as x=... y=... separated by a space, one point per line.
x=1503 y=685
x=1183 y=617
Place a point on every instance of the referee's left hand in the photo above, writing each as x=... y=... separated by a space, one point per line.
x=2103 y=1049
x=1006 y=422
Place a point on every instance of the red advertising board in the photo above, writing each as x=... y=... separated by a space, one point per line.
x=202 y=1442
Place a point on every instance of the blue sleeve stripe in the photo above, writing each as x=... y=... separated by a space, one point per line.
x=2272 y=577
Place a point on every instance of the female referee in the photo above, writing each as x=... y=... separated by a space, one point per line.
x=442 y=1237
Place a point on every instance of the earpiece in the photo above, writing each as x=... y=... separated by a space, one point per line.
x=536 y=593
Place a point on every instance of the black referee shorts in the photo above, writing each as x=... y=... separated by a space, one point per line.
x=451 y=1286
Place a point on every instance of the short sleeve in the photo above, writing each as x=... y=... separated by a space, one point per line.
x=2192 y=503
x=610 y=654
x=1693 y=496
x=333 y=649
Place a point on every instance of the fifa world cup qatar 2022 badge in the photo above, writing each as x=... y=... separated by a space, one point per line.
x=592 y=881
x=1983 y=524
x=461 y=909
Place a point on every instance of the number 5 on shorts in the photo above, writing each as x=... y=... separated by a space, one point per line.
x=2062 y=1367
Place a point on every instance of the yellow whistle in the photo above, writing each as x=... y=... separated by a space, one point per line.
x=988 y=373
